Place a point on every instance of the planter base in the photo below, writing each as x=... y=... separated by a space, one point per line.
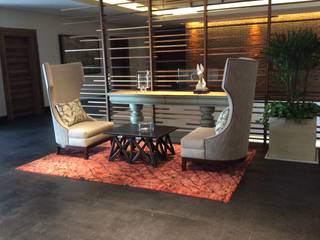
x=292 y=141
x=272 y=157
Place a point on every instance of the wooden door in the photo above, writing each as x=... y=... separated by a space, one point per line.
x=21 y=72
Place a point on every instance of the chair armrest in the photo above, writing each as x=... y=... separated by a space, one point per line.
x=91 y=118
x=60 y=132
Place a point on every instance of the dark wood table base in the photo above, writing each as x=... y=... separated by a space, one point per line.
x=133 y=149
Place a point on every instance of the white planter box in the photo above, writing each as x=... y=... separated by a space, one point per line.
x=293 y=141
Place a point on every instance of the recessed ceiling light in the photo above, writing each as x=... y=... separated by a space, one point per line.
x=178 y=11
x=256 y=3
x=134 y=6
x=113 y=2
x=192 y=10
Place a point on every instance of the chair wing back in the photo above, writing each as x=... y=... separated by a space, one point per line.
x=239 y=83
x=63 y=85
x=64 y=81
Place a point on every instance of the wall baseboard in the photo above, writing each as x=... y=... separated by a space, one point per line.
x=46 y=110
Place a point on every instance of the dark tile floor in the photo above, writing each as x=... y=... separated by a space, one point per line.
x=275 y=200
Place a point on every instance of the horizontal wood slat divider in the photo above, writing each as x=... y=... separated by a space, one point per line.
x=178 y=43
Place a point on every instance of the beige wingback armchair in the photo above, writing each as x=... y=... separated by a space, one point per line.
x=63 y=85
x=231 y=144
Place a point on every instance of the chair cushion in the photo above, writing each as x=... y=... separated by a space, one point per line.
x=88 y=129
x=72 y=112
x=193 y=153
x=196 y=139
x=86 y=142
x=222 y=120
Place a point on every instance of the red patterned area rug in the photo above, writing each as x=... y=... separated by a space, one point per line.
x=209 y=182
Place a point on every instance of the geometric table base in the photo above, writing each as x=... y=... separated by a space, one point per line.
x=132 y=149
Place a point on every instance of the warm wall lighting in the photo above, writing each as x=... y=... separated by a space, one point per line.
x=252 y=21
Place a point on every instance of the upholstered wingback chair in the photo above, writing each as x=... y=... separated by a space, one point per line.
x=64 y=82
x=204 y=144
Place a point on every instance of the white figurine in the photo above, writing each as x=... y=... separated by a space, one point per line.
x=201 y=85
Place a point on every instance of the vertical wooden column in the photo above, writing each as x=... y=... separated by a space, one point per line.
x=151 y=66
x=266 y=90
x=206 y=111
x=205 y=42
x=150 y=30
x=104 y=56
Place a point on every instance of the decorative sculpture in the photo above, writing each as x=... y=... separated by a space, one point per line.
x=201 y=87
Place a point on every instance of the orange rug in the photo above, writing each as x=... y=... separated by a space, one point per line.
x=209 y=182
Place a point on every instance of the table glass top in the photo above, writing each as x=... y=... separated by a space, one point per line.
x=132 y=130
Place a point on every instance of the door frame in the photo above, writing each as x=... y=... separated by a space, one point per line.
x=37 y=80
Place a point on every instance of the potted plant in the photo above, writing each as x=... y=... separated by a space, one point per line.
x=292 y=121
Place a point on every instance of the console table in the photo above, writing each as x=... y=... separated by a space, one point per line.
x=136 y=100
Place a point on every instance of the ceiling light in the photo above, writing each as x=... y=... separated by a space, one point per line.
x=288 y=1
x=237 y=5
x=256 y=3
x=113 y=2
x=223 y=6
x=179 y=11
x=134 y=6
x=127 y=4
x=193 y=10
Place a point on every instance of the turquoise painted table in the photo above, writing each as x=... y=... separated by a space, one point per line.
x=136 y=100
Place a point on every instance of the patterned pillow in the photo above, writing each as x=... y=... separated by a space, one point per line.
x=72 y=112
x=222 y=120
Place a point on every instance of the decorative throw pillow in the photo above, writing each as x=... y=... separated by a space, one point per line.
x=222 y=120
x=72 y=112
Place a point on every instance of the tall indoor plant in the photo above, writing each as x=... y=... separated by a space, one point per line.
x=292 y=121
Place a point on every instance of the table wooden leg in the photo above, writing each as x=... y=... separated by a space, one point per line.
x=161 y=149
x=119 y=147
x=132 y=148
x=140 y=150
x=151 y=147
x=114 y=149
x=169 y=144
x=207 y=119
x=123 y=145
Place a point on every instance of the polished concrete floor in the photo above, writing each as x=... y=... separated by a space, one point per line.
x=275 y=200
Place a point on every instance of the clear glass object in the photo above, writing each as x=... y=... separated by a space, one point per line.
x=143 y=81
x=186 y=78
x=146 y=126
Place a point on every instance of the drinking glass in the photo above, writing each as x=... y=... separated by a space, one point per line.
x=143 y=81
x=146 y=126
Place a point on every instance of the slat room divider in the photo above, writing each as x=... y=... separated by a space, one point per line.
x=169 y=37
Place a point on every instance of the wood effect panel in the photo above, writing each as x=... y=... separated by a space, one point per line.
x=247 y=40
x=21 y=72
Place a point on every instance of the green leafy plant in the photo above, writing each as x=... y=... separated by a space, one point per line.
x=292 y=57
x=296 y=111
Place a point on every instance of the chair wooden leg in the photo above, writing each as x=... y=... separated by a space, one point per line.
x=58 y=150
x=86 y=154
x=184 y=164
